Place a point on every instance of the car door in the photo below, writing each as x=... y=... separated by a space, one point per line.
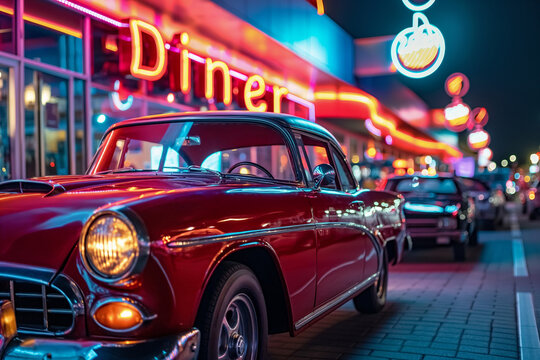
x=337 y=213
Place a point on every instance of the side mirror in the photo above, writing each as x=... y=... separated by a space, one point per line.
x=323 y=174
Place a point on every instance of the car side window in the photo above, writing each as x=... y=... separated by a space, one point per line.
x=345 y=177
x=316 y=152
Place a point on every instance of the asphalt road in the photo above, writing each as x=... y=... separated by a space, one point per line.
x=481 y=309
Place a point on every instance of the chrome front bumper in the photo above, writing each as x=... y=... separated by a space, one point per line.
x=184 y=346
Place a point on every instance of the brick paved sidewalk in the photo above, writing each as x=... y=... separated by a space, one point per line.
x=436 y=310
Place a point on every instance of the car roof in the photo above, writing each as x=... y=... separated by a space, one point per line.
x=438 y=176
x=283 y=120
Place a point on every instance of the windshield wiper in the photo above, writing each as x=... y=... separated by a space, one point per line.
x=205 y=170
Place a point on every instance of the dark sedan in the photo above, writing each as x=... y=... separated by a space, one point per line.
x=437 y=211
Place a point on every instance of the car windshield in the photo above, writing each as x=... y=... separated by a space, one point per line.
x=424 y=185
x=177 y=147
x=474 y=185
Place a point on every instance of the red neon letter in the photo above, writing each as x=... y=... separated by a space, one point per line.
x=250 y=94
x=211 y=67
x=158 y=56
x=279 y=93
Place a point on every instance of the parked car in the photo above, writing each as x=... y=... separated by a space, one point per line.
x=533 y=200
x=489 y=203
x=437 y=211
x=194 y=233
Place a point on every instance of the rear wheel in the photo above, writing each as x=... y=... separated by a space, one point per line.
x=373 y=299
x=232 y=317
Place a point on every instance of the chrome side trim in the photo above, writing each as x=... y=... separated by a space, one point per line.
x=204 y=240
x=327 y=306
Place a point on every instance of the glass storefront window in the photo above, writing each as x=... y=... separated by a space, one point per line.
x=53 y=35
x=46 y=124
x=5 y=157
x=7 y=32
x=109 y=107
x=80 y=129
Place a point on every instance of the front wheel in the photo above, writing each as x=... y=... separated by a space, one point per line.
x=373 y=299
x=232 y=317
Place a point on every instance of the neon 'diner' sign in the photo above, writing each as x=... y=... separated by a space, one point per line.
x=419 y=50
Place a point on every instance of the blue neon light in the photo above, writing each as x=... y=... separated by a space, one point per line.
x=415 y=7
x=414 y=39
x=425 y=208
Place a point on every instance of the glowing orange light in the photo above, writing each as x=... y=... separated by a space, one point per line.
x=137 y=68
x=110 y=44
x=478 y=139
x=251 y=94
x=457 y=116
x=382 y=122
x=279 y=93
x=118 y=316
x=371 y=152
x=186 y=68
x=532 y=196
x=211 y=68
x=355 y=159
x=400 y=164
x=432 y=171
x=400 y=172
x=170 y=97
x=45 y=23
x=455 y=85
x=320 y=7
x=410 y=171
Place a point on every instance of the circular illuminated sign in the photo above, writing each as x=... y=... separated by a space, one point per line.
x=457 y=85
x=479 y=117
x=478 y=139
x=419 y=50
x=486 y=153
x=418 y=5
x=456 y=116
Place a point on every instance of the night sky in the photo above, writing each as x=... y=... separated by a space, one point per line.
x=495 y=43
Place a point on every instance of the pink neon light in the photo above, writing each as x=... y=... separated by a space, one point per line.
x=96 y=15
x=309 y=105
x=238 y=75
x=92 y=13
x=196 y=58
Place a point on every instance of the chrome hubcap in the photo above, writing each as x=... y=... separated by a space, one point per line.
x=238 y=338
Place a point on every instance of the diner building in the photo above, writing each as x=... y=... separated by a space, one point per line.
x=70 y=69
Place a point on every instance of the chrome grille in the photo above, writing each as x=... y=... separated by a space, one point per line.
x=38 y=307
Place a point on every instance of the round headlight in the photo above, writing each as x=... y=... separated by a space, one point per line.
x=110 y=246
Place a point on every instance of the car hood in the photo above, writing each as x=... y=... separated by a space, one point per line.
x=41 y=219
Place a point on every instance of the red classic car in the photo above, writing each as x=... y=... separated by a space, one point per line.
x=191 y=235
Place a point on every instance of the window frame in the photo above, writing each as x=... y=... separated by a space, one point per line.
x=330 y=147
